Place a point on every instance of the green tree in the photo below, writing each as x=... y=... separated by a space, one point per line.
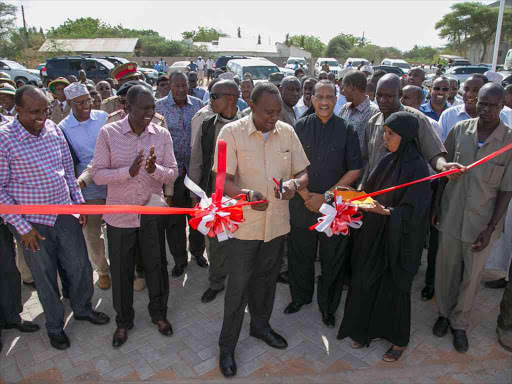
x=419 y=54
x=204 y=34
x=472 y=23
x=308 y=42
x=339 y=46
x=7 y=19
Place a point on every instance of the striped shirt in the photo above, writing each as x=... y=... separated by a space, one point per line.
x=35 y=170
x=117 y=147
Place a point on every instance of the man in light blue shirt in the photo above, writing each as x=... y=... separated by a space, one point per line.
x=466 y=111
x=438 y=102
x=81 y=128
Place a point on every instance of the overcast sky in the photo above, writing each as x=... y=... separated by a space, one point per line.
x=399 y=23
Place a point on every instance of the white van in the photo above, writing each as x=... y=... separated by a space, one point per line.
x=260 y=69
x=402 y=64
x=355 y=62
x=333 y=64
x=508 y=61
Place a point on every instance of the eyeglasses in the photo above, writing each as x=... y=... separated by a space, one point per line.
x=215 y=96
x=83 y=103
x=445 y=89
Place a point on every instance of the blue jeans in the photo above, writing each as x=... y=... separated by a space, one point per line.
x=64 y=244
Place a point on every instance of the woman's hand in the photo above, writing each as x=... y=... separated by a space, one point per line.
x=378 y=209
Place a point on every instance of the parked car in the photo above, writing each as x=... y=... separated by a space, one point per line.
x=97 y=69
x=151 y=74
x=290 y=63
x=507 y=78
x=334 y=66
x=259 y=69
x=462 y=73
x=223 y=60
x=390 y=69
x=42 y=73
x=287 y=71
x=402 y=64
x=179 y=66
x=18 y=71
x=115 y=60
x=356 y=62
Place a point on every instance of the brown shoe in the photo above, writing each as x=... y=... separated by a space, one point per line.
x=120 y=336
x=164 y=327
x=104 y=282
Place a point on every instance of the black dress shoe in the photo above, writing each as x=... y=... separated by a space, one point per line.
x=427 y=293
x=164 y=327
x=496 y=284
x=97 y=318
x=328 y=319
x=283 y=278
x=23 y=326
x=441 y=327
x=201 y=261
x=460 y=340
x=59 y=341
x=210 y=295
x=293 y=307
x=227 y=364
x=178 y=270
x=272 y=338
x=120 y=336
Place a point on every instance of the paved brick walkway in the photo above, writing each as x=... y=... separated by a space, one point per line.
x=314 y=354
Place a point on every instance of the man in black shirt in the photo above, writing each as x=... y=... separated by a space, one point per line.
x=332 y=147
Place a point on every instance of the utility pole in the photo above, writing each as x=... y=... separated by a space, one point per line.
x=24 y=27
x=498 y=36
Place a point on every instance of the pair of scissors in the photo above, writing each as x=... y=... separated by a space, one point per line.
x=279 y=185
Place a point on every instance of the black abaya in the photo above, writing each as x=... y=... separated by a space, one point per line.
x=387 y=252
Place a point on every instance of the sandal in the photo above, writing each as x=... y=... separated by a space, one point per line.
x=356 y=345
x=392 y=355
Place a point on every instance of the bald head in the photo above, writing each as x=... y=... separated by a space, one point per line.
x=323 y=75
x=412 y=96
x=290 y=80
x=226 y=86
x=388 y=94
x=491 y=99
x=389 y=81
x=492 y=90
x=28 y=93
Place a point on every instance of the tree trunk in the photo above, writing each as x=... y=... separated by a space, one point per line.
x=484 y=53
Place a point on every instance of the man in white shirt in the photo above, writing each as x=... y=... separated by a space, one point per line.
x=200 y=69
x=209 y=67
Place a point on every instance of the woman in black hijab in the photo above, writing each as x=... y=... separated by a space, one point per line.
x=388 y=247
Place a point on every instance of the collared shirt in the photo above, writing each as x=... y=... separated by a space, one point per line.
x=179 y=124
x=468 y=203
x=339 y=104
x=429 y=111
x=373 y=150
x=197 y=120
x=453 y=115
x=333 y=150
x=457 y=101
x=81 y=137
x=195 y=171
x=300 y=108
x=58 y=111
x=197 y=92
x=116 y=148
x=35 y=170
x=288 y=115
x=200 y=64
x=358 y=116
x=209 y=64
x=254 y=161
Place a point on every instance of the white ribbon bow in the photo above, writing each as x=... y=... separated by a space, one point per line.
x=329 y=215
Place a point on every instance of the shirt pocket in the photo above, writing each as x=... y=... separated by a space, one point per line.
x=282 y=163
x=493 y=174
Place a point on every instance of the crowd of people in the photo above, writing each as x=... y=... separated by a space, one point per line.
x=119 y=142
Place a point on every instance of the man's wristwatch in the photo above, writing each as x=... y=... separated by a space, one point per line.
x=297 y=184
x=329 y=196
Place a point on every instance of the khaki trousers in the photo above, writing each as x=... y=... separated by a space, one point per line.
x=458 y=276
x=95 y=240
x=25 y=273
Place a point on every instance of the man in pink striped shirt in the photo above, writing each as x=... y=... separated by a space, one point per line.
x=135 y=158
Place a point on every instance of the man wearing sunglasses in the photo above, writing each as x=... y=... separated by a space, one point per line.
x=438 y=101
x=81 y=128
x=223 y=99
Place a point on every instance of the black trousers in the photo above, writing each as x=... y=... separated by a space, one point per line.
x=302 y=249
x=176 y=227
x=253 y=267
x=433 y=244
x=10 y=280
x=123 y=243
x=217 y=254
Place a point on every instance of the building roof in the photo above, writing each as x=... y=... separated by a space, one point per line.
x=126 y=45
x=508 y=4
x=242 y=45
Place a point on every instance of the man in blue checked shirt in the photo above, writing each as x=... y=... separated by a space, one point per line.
x=36 y=168
x=81 y=128
x=178 y=108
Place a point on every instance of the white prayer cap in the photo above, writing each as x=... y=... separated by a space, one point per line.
x=75 y=90
x=494 y=77
x=366 y=68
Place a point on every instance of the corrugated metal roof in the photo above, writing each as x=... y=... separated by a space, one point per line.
x=227 y=44
x=125 y=45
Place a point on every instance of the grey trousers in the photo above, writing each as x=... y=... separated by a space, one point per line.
x=458 y=276
x=217 y=253
x=253 y=267
x=94 y=240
